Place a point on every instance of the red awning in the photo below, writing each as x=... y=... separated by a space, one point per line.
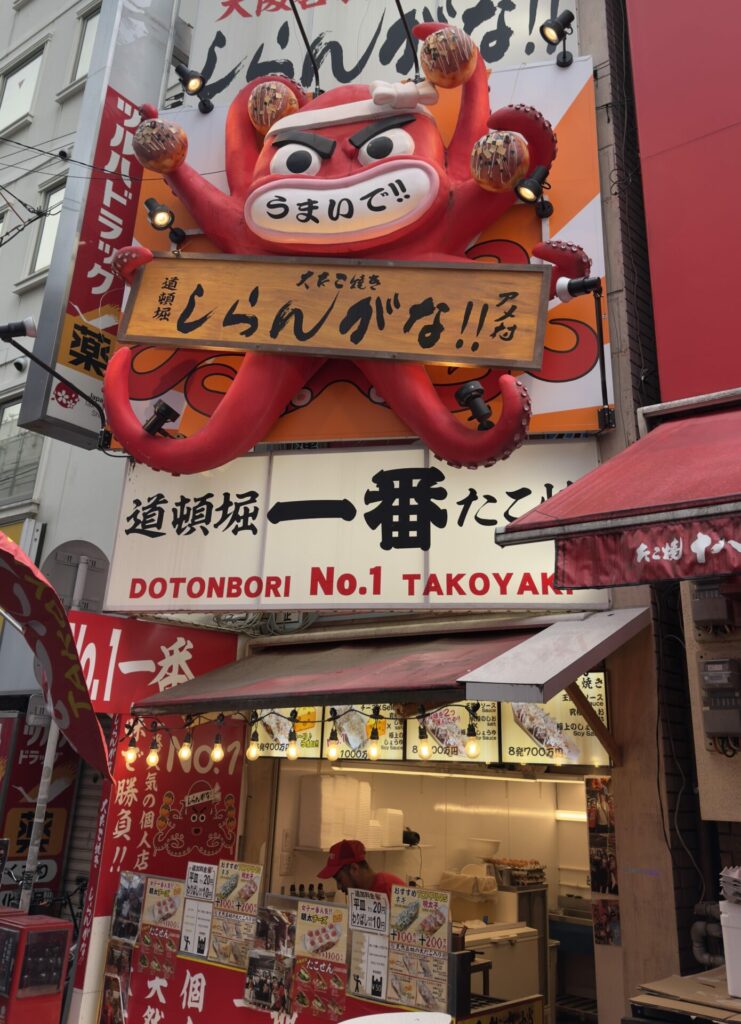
x=668 y=507
x=379 y=672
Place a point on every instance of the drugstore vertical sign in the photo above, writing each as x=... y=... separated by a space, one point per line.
x=82 y=299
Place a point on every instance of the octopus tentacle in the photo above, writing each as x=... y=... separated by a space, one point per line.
x=127 y=260
x=568 y=259
x=541 y=139
x=263 y=386
x=411 y=394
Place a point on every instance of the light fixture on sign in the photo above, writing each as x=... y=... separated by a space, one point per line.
x=530 y=189
x=543 y=208
x=217 y=752
x=163 y=413
x=471 y=396
x=159 y=216
x=153 y=757
x=253 y=750
x=472 y=747
x=333 y=743
x=132 y=751
x=554 y=31
x=292 y=750
x=186 y=750
x=194 y=83
x=424 y=747
x=568 y=288
x=374 y=746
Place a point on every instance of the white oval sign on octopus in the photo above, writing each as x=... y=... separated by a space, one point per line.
x=313 y=211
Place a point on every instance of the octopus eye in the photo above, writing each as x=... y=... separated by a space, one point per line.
x=395 y=142
x=295 y=159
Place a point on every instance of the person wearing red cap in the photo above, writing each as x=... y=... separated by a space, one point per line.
x=350 y=870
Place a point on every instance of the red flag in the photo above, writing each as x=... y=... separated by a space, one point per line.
x=28 y=597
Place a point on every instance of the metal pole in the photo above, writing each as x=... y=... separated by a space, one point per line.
x=37 y=833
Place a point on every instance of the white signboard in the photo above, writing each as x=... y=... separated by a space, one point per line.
x=392 y=527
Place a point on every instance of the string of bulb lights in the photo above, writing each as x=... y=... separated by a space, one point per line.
x=252 y=752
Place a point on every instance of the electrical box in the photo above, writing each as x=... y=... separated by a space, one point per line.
x=34 y=956
x=721 y=697
x=710 y=606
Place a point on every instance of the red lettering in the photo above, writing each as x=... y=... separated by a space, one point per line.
x=216 y=586
x=157 y=587
x=502 y=581
x=546 y=583
x=346 y=584
x=411 y=579
x=453 y=584
x=287 y=586
x=527 y=585
x=272 y=586
x=138 y=587
x=253 y=586
x=177 y=582
x=321 y=580
x=479 y=584
x=196 y=586
x=432 y=586
x=234 y=587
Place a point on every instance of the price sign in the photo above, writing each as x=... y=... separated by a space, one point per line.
x=200 y=881
x=369 y=911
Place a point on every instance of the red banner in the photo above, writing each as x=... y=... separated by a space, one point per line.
x=125 y=660
x=650 y=554
x=28 y=597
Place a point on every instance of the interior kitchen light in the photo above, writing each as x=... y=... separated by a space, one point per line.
x=186 y=750
x=530 y=189
x=570 y=815
x=554 y=31
x=153 y=757
x=159 y=216
x=458 y=775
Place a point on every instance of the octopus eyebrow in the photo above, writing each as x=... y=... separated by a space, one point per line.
x=321 y=145
x=360 y=138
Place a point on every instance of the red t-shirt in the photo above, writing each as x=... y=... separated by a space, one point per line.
x=382 y=882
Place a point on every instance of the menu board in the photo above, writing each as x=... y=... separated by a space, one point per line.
x=418 y=948
x=446 y=732
x=354 y=724
x=233 y=923
x=163 y=903
x=321 y=968
x=555 y=733
x=200 y=881
x=275 y=725
x=369 y=944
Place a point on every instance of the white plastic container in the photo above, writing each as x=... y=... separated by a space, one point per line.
x=730 y=922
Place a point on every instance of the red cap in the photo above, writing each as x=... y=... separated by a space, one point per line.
x=347 y=851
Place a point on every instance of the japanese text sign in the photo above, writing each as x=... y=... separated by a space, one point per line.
x=342 y=528
x=480 y=313
x=555 y=733
x=125 y=660
x=354 y=725
x=369 y=911
x=274 y=727
x=446 y=734
x=418 y=950
x=321 y=931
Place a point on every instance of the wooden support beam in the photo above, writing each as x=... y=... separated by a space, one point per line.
x=595 y=723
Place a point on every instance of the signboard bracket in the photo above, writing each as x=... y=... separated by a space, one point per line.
x=595 y=723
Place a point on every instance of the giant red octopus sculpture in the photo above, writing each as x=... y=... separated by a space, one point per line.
x=335 y=146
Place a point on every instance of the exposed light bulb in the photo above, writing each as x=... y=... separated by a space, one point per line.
x=424 y=749
x=217 y=754
x=131 y=753
x=333 y=748
x=374 y=750
x=292 y=750
x=253 y=751
x=153 y=757
x=186 y=750
x=473 y=748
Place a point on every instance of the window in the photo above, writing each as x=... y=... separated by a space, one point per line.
x=82 y=64
x=18 y=87
x=20 y=451
x=49 y=227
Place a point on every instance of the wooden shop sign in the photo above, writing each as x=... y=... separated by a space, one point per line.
x=480 y=313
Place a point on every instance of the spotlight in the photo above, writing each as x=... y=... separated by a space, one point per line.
x=132 y=752
x=205 y=105
x=424 y=749
x=153 y=757
x=186 y=750
x=543 y=208
x=568 y=288
x=554 y=31
x=19 y=329
x=471 y=396
x=163 y=413
x=159 y=216
x=177 y=236
x=530 y=189
x=192 y=81
x=253 y=750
